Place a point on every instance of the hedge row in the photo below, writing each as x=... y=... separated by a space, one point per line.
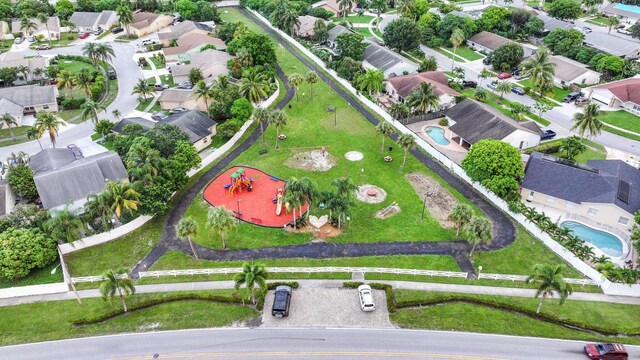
x=145 y=304
x=545 y=148
x=69 y=104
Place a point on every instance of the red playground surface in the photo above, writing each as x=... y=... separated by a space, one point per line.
x=231 y=191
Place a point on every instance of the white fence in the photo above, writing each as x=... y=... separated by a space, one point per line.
x=608 y=287
x=92 y=279
x=524 y=278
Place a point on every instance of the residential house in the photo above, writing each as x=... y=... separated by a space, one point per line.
x=7 y=199
x=53 y=22
x=399 y=87
x=486 y=42
x=64 y=177
x=629 y=14
x=90 y=21
x=190 y=45
x=212 y=63
x=458 y=13
x=387 y=61
x=194 y=123
x=621 y=94
x=572 y=72
x=145 y=23
x=173 y=98
x=27 y=100
x=307 y=24
x=615 y=45
x=551 y=24
x=145 y=123
x=604 y=191
x=333 y=34
x=471 y=121
x=333 y=6
x=183 y=28
x=32 y=64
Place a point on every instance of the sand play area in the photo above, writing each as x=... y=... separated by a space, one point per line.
x=371 y=194
x=439 y=200
x=313 y=160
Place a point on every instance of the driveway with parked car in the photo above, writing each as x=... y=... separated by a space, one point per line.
x=329 y=307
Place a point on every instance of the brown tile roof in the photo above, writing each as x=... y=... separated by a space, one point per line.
x=143 y=19
x=489 y=40
x=404 y=85
x=625 y=90
x=192 y=40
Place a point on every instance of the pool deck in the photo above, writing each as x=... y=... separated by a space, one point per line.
x=453 y=150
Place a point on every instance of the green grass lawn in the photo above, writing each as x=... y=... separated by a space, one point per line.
x=466 y=53
x=477 y=318
x=502 y=105
x=622 y=119
x=450 y=55
x=598 y=20
x=356 y=19
x=621 y=133
x=68 y=115
x=73 y=66
x=363 y=31
x=53 y=320
x=594 y=151
x=20 y=133
x=557 y=95
x=36 y=277
x=156 y=62
x=6 y=44
x=142 y=105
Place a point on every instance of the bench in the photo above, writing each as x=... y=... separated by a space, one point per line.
x=263 y=151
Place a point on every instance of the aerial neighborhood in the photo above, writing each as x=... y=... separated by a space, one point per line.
x=304 y=168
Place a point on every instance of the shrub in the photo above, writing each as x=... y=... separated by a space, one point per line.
x=230 y=127
x=69 y=104
x=549 y=148
x=352 y=284
x=443 y=122
x=22 y=250
x=97 y=88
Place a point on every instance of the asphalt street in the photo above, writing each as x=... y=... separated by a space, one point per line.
x=257 y=343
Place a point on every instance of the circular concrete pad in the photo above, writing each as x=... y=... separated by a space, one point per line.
x=371 y=194
x=354 y=156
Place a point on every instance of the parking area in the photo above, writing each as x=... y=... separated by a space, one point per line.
x=329 y=308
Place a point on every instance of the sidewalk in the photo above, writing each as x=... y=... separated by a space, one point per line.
x=326 y=284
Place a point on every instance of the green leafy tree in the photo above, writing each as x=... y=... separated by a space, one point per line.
x=20 y=179
x=399 y=111
x=402 y=35
x=203 y=91
x=90 y=110
x=295 y=80
x=114 y=284
x=484 y=74
x=428 y=64
x=502 y=88
x=564 y=42
x=65 y=226
x=252 y=275
x=371 y=82
x=460 y=215
x=9 y=121
x=572 y=147
x=635 y=30
x=22 y=250
x=121 y=197
x=241 y=109
x=165 y=138
x=278 y=119
x=383 y=128
x=186 y=229
x=259 y=46
x=350 y=45
x=195 y=76
x=450 y=22
x=541 y=107
x=32 y=133
x=187 y=9
x=518 y=110
x=549 y=281
x=507 y=56
x=320 y=31
x=221 y=220
x=587 y=121
x=406 y=142
x=480 y=95
x=541 y=69
x=565 y=9
x=495 y=19
x=49 y=123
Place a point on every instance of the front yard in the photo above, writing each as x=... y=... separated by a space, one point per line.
x=466 y=53
x=558 y=93
x=622 y=119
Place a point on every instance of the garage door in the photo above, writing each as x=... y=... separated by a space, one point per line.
x=601 y=98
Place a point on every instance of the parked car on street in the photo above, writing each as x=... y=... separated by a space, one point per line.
x=606 y=351
x=469 y=84
x=281 y=301
x=548 y=134
x=98 y=31
x=504 y=75
x=19 y=40
x=624 y=31
x=83 y=35
x=517 y=90
x=112 y=75
x=43 y=47
x=176 y=110
x=366 y=298
x=571 y=97
x=158 y=116
x=492 y=85
x=160 y=87
x=117 y=30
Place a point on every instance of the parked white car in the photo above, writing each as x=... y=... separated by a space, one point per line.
x=366 y=298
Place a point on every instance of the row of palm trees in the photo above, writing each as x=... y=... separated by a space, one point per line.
x=405 y=141
x=477 y=230
x=295 y=80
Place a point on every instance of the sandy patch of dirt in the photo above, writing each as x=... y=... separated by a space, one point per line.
x=326 y=231
x=439 y=201
x=362 y=194
x=311 y=161
x=354 y=155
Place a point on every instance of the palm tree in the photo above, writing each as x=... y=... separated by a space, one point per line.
x=27 y=25
x=105 y=52
x=587 y=121
x=370 y=82
x=9 y=121
x=142 y=157
x=456 y=39
x=611 y=22
x=345 y=7
x=44 y=19
x=84 y=80
x=399 y=111
x=572 y=146
x=143 y=89
x=254 y=86
x=252 y=275
x=91 y=51
x=64 y=226
x=344 y=186
x=221 y=220
x=293 y=200
x=125 y=16
x=24 y=70
x=503 y=87
x=484 y=74
x=518 y=110
x=278 y=119
x=549 y=281
x=480 y=95
x=204 y=91
x=290 y=21
x=47 y=122
x=121 y=197
x=385 y=130
x=90 y=109
x=113 y=283
x=541 y=69
x=461 y=215
x=478 y=230
x=423 y=99
x=406 y=142
x=66 y=81
x=98 y=207
x=311 y=78
x=187 y=228
x=116 y=113
x=309 y=190
x=261 y=115
x=295 y=80
x=32 y=133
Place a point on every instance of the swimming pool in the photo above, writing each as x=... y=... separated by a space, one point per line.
x=437 y=134
x=625 y=7
x=606 y=242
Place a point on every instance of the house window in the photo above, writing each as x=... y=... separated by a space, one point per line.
x=623 y=220
x=592 y=211
x=550 y=200
x=531 y=193
x=569 y=205
x=636 y=107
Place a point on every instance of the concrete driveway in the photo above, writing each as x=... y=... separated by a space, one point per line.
x=329 y=308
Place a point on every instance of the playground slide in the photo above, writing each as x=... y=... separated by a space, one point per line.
x=279 y=202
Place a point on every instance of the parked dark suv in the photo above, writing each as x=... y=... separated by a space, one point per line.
x=281 y=301
x=572 y=97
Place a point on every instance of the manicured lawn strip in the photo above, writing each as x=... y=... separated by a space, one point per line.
x=70 y=114
x=53 y=320
x=357 y=19
x=621 y=133
x=466 y=53
x=622 y=119
x=363 y=31
x=450 y=55
x=156 y=62
x=36 y=277
x=622 y=318
x=19 y=132
x=558 y=93
x=598 y=20
x=73 y=66
x=112 y=94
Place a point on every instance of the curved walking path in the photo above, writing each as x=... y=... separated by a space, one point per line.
x=503 y=229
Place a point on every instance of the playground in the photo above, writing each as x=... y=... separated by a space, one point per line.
x=252 y=196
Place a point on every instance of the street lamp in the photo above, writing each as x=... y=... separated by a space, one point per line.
x=479 y=270
x=55 y=269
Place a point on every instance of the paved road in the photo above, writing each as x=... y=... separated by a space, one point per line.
x=243 y=343
x=128 y=74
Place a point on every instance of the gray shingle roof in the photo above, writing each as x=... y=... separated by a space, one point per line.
x=567 y=69
x=475 y=121
x=104 y=16
x=192 y=122
x=84 y=19
x=612 y=44
x=146 y=124
x=383 y=58
x=553 y=23
x=60 y=181
x=30 y=95
x=597 y=182
x=336 y=31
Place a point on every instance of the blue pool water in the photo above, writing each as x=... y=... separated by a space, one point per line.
x=625 y=7
x=437 y=134
x=608 y=243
